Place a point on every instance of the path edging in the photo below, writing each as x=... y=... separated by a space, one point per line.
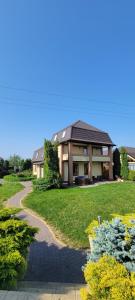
x=37 y=216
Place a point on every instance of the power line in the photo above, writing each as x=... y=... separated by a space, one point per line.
x=13 y=101
x=53 y=94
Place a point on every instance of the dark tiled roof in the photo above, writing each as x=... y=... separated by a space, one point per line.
x=91 y=136
x=81 y=131
x=38 y=155
x=130 y=151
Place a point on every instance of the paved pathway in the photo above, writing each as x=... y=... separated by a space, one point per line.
x=49 y=260
x=49 y=291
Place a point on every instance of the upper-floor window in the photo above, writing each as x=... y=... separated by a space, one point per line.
x=55 y=138
x=63 y=134
x=97 y=151
x=105 y=150
x=37 y=155
x=85 y=150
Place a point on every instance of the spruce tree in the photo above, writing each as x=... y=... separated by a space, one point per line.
x=117 y=164
x=124 y=163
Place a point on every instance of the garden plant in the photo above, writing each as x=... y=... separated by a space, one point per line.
x=110 y=268
x=15 y=238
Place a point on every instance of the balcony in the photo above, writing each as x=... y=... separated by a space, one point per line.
x=101 y=158
x=80 y=158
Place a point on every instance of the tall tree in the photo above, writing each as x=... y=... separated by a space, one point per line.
x=51 y=165
x=27 y=164
x=117 y=164
x=15 y=162
x=124 y=163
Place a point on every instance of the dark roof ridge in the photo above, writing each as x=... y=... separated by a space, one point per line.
x=74 y=124
x=39 y=148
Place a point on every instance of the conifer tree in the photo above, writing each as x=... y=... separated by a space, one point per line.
x=51 y=166
x=124 y=163
x=117 y=164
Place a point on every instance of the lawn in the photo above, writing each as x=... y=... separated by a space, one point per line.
x=7 y=190
x=69 y=211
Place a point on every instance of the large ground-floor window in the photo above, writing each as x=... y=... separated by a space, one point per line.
x=86 y=168
x=75 y=169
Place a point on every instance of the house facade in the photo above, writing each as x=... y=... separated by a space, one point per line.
x=131 y=157
x=83 y=150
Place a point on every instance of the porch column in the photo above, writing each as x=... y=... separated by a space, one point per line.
x=61 y=160
x=110 y=153
x=70 y=164
x=90 y=161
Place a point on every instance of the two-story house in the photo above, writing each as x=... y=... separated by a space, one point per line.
x=83 y=150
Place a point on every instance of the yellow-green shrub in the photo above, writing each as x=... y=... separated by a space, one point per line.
x=108 y=280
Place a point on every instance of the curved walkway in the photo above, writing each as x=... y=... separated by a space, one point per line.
x=49 y=260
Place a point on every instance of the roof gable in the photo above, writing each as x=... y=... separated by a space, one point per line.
x=83 y=125
x=130 y=151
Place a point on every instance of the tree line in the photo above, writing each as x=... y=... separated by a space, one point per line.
x=14 y=164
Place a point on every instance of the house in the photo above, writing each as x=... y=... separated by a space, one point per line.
x=83 y=150
x=131 y=157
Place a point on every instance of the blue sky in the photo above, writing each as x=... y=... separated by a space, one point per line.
x=61 y=61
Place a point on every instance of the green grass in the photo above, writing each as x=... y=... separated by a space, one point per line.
x=7 y=190
x=70 y=211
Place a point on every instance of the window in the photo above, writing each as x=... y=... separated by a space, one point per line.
x=55 y=138
x=75 y=169
x=85 y=151
x=63 y=134
x=37 y=155
x=105 y=150
x=85 y=168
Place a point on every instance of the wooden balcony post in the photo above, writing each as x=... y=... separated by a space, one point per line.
x=110 y=163
x=90 y=161
x=70 y=164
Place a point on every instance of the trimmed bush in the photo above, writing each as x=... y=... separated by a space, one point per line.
x=54 y=181
x=11 y=178
x=15 y=238
x=108 y=279
x=131 y=175
x=23 y=176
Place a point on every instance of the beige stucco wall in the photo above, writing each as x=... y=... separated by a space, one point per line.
x=38 y=170
x=34 y=170
x=96 y=169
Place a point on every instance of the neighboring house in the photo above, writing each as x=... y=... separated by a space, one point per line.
x=38 y=163
x=83 y=150
x=131 y=157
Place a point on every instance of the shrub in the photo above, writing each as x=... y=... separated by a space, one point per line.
x=116 y=239
x=107 y=279
x=11 y=178
x=82 y=180
x=15 y=238
x=23 y=176
x=8 y=213
x=54 y=181
x=131 y=175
